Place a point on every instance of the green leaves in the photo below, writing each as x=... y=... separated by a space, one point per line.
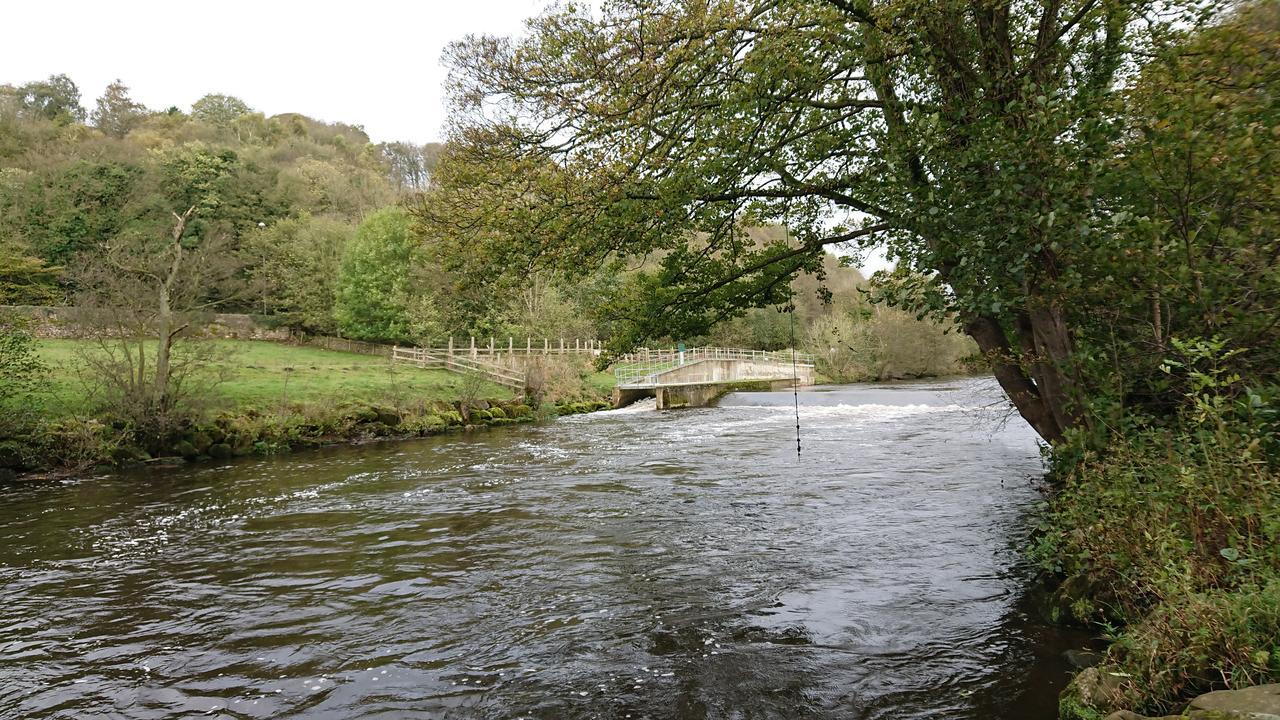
x=374 y=294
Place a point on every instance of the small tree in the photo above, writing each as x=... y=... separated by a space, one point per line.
x=219 y=110
x=470 y=391
x=26 y=280
x=296 y=264
x=56 y=99
x=140 y=294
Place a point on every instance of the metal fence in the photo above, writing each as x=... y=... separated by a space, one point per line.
x=644 y=366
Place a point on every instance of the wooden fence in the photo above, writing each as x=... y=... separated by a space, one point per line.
x=326 y=342
x=461 y=363
x=490 y=347
x=494 y=346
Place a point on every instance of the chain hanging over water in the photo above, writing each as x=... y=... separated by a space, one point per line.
x=795 y=375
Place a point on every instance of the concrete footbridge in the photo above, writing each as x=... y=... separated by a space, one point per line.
x=696 y=377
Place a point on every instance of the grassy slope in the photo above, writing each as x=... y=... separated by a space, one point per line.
x=266 y=375
x=602 y=382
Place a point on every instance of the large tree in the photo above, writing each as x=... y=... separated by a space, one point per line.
x=219 y=110
x=966 y=135
x=116 y=113
x=56 y=99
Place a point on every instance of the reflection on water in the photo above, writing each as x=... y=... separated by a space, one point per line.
x=624 y=564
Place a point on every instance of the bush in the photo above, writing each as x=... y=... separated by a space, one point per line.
x=22 y=375
x=1174 y=535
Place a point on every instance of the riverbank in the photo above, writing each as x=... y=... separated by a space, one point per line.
x=1168 y=545
x=272 y=398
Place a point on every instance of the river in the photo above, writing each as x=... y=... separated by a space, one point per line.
x=625 y=564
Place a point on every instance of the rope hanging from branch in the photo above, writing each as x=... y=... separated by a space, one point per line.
x=795 y=375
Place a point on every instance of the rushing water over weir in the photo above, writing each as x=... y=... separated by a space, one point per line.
x=619 y=565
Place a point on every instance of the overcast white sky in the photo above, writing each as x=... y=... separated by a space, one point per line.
x=374 y=63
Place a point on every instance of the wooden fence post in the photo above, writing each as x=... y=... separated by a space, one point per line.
x=473 y=346
x=528 y=345
x=561 y=346
x=546 y=346
x=450 y=346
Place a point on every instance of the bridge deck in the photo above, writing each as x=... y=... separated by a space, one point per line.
x=698 y=366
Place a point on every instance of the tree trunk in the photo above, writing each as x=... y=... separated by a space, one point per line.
x=165 y=330
x=1052 y=341
x=1021 y=389
x=164 y=333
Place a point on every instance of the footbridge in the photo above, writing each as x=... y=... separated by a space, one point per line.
x=697 y=377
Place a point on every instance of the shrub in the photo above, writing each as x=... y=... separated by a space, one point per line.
x=22 y=375
x=1174 y=533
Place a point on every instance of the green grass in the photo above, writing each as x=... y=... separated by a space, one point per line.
x=602 y=382
x=267 y=375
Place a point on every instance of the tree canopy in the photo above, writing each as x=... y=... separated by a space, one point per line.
x=977 y=141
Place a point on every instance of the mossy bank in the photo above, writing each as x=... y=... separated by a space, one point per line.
x=68 y=446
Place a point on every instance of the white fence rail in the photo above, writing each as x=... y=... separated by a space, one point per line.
x=426 y=358
x=500 y=347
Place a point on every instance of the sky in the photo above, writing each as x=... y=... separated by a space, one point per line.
x=374 y=63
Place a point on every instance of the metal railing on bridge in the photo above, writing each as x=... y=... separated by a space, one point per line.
x=644 y=367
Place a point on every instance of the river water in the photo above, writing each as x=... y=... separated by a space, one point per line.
x=626 y=564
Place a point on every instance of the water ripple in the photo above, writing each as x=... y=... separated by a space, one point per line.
x=622 y=564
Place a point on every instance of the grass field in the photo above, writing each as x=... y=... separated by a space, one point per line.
x=267 y=375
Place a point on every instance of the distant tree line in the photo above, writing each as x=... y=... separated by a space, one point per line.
x=305 y=221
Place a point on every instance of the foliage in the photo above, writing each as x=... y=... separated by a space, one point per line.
x=375 y=284
x=116 y=113
x=62 y=213
x=977 y=142
x=56 y=99
x=138 y=291
x=1176 y=532
x=884 y=344
x=411 y=165
x=22 y=375
x=26 y=280
x=295 y=268
x=1196 y=208
x=219 y=110
x=67 y=190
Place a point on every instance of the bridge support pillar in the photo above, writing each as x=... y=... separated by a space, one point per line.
x=623 y=397
x=688 y=396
